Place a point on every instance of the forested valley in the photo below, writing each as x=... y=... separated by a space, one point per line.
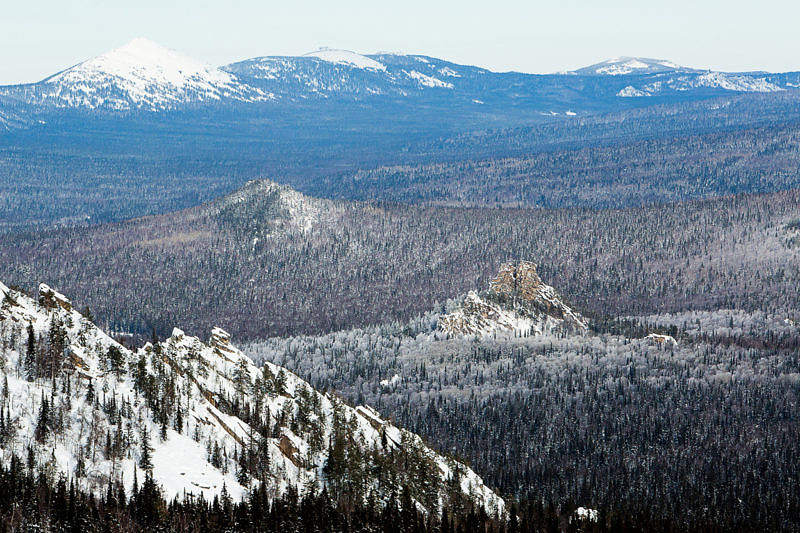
x=691 y=435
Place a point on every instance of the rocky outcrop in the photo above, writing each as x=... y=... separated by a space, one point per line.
x=51 y=299
x=662 y=340
x=221 y=342
x=517 y=300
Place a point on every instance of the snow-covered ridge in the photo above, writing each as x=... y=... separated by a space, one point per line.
x=173 y=409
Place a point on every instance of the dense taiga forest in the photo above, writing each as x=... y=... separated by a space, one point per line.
x=29 y=502
x=681 y=436
x=266 y=261
x=696 y=432
x=654 y=171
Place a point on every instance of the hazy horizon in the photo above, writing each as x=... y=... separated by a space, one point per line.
x=39 y=40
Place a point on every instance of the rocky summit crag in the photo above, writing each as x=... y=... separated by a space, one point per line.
x=517 y=301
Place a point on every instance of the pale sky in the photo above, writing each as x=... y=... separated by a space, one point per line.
x=41 y=37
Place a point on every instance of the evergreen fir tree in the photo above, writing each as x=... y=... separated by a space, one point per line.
x=30 y=355
x=43 y=421
x=146 y=457
x=90 y=392
x=178 y=425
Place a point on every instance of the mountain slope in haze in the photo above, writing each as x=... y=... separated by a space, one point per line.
x=200 y=418
x=336 y=74
x=654 y=77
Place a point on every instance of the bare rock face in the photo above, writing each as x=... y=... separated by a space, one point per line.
x=51 y=299
x=516 y=280
x=517 y=300
x=221 y=340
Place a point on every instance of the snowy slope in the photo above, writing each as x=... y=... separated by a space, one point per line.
x=143 y=74
x=10 y=121
x=190 y=401
x=346 y=57
x=342 y=74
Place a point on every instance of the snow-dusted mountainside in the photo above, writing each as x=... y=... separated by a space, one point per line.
x=744 y=83
x=263 y=206
x=140 y=75
x=9 y=120
x=656 y=77
x=517 y=301
x=631 y=65
x=199 y=417
x=343 y=74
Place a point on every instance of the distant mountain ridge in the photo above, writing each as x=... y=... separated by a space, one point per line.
x=145 y=130
x=142 y=75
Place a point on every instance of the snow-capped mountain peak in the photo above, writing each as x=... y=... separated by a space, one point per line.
x=142 y=59
x=346 y=57
x=142 y=74
x=630 y=65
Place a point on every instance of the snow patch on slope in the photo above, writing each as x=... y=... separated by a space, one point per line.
x=347 y=57
x=427 y=81
x=631 y=91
